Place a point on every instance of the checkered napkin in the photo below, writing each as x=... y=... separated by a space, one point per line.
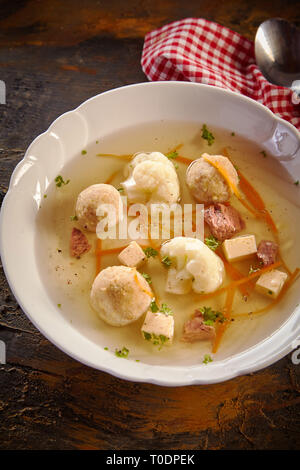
x=198 y=50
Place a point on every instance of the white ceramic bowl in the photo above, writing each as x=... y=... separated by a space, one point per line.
x=73 y=131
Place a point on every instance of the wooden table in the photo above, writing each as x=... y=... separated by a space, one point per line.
x=53 y=56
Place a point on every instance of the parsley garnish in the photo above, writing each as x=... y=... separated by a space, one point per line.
x=296 y=183
x=233 y=134
x=207 y=358
x=166 y=261
x=60 y=181
x=120 y=190
x=157 y=340
x=150 y=252
x=147 y=277
x=106 y=348
x=73 y=217
x=212 y=243
x=83 y=152
x=122 y=352
x=253 y=269
x=153 y=306
x=172 y=155
x=270 y=292
x=59 y=305
x=211 y=316
x=207 y=135
x=263 y=153
x=165 y=309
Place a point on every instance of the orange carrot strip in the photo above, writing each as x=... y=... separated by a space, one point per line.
x=140 y=285
x=110 y=179
x=185 y=160
x=221 y=327
x=123 y=157
x=98 y=255
x=285 y=288
x=239 y=282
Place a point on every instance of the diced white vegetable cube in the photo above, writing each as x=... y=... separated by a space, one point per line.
x=158 y=328
x=132 y=256
x=271 y=283
x=239 y=248
x=176 y=283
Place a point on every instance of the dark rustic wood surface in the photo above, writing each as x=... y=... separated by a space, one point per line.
x=53 y=56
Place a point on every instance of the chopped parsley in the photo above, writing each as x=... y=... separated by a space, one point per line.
x=212 y=242
x=59 y=305
x=172 y=155
x=166 y=261
x=233 y=134
x=147 y=277
x=264 y=154
x=296 y=183
x=120 y=190
x=207 y=358
x=60 y=181
x=83 y=152
x=150 y=252
x=165 y=309
x=253 y=269
x=153 y=306
x=106 y=348
x=207 y=135
x=45 y=195
x=210 y=316
x=270 y=292
x=73 y=217
x=122 y=352
x=157 y=340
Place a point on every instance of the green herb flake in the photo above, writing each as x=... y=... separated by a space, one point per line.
x=137 y=360
x=165 y=309
x=210 y=316
x=270 y=292
x=253 y=269
x=153 y=306
x=73 y=218
x=296 y=183
x=83 y=152
x=45 y=195
x=122 y=352
x=156 y=340
x=150 y=252
x=60 y=181
x=147 y=336
x=212 y=243
x=233 y=134
x=263 y=153
x=207 y=358
x=147 y=277
x=166 y=261
x=172 y=155
x=207 y=135
x=59 y=305
x=106 y=348
x=120 y=190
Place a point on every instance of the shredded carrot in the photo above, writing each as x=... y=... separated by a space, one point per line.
x=111 y=178
x=221 y=327
x=239 y=282
x=225 y=175
x=285 y=288
x=140 y=285
x=98 y=255
x=185 y=160
x=123 y=157
x=235 y=275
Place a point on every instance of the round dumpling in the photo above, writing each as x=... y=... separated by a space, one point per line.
x=91 y=198
x=120 y=295
x=206 y=182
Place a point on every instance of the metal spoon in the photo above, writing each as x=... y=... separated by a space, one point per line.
x=277 y=51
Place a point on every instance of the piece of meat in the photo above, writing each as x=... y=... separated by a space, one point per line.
x=79 y=243
x=223 y=220
x=195 y=329
x=267 y=252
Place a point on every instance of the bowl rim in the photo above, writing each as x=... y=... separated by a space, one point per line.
x=226 y=369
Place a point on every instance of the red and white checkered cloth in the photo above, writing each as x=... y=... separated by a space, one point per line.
x=198 y=50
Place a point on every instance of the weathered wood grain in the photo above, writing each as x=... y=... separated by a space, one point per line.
x=53 y=56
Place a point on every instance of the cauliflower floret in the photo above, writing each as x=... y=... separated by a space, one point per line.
x=194 y=262
x=206 y=183
x=152 y=178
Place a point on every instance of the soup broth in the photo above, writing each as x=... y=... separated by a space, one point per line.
x=69 y=280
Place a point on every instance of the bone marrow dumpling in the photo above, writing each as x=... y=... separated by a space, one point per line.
x=206 y=181
x=193 y=266
x=120 y=295
x=91 y=198
x=151 y=178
